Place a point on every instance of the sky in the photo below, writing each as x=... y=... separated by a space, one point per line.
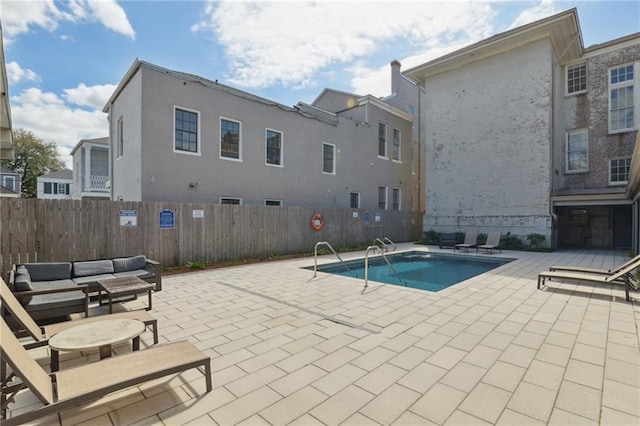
x=65 y=58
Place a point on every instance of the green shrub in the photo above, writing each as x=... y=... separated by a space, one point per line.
x=535 y=240
x=511 y=242
x=431 y=238
x=195 y=265
x=482 y=239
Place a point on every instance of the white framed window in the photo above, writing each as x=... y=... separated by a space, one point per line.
x=231 y=200
x=120 y=140
x=382 y=140
x=186 y=135
x=48 y=188
x=382 y=197
x=272 y=202
x=9 y=182
x=619 y=170
x=396 y=199
x=328 y=158
x=273 y=147
x=230 y=139
x=622 y=100
x=397 y=139
x=354 y=200
x=576 y=78
x=577 y=152
x=410 y=110
x=63 y=188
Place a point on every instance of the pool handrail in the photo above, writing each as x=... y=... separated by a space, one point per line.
x=385 y=243
x=366 y=264
x=315 y=256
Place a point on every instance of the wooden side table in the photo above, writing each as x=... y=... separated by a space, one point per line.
x=122 y=287
x=98 y=334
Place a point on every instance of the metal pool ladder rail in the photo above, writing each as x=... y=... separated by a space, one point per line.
x=386 y=244
x=366 y=263
x=315 y=256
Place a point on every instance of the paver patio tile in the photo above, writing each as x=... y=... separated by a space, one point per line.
x=369 y=342
x=339 y=379
x=263 y=360
x=446 y=357
x=512 y=325
x=480 y=328
x=553 y=354
x=511 y=418
x=422 y=329
x=497 y=340
x=253 y=381
x=561 y=418
x=254 y=420
x=538 y=327
x=235 y=345
x=585 y=373
x=300 y=359
x=451 y=329
x=302 y=343
x=544 y=374
x=504 y=376
x=588 y=353
x=622 y=372
x=528 y=339
x=465 y=341
x=621 y=397
x=400 y=342
x=423 y=377
x=335 y=343
x=438 y=403
x=580 y=400
x=482 y=356
x=298 y=379
x=463 y=376
x=411 y=419
x=293 y=406
x=533 y=401
x=614 y=417
x=381 y=378
x=224 y=361
x=460 y=418
x=409 y=358
x=559 y=338
x=336 y=359
x=433 y=342
x=518 y=355
x=373 y=358
x=390 y=404
x=198 y=408
x=342 y=405
x=229 y=374
x=567 y=327
x=595 y=326
x=624 y=337
x=623 y=353
x=486 y=402
x=245 y=407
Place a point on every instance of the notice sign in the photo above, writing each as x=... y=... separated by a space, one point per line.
x=366 y=218
x=198 y=214
x=167 y=219
x=128 y=218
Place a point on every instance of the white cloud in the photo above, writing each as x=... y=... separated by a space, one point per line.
x=95 y=96
x=52 y=119
x=287 y=43
x=545 y=9
x=17 y=74
x=18 y=16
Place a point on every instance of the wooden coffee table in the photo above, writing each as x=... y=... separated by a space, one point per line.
x=124 y=286
x=98 y=334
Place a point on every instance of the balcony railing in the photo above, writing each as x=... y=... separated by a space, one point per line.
x=98 y=183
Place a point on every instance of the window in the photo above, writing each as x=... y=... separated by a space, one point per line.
x=576 y=78
x=396 y=199
x=382 y=197
x=621 y=99
x=577 y=152
x=229 y=139
x=233 y=201
x=186 y=131
x=411 y=110
x=63 y=188
x=328 y=158
x=9 y=182
x=382 y=140
x=272 y=202
x=48 y=188
x=274 y=147
x=619 y=170
x=120 y=141
x=354 y=200
x=396 y=144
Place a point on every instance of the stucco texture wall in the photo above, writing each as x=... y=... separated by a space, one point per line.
x=488 y=141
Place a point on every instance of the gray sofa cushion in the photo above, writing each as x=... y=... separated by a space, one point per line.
x=140 y=273
x=43 y=302
x=129 y=263
x=92 y=280
x=49 y=271
x=92 y=267
x=23 y=283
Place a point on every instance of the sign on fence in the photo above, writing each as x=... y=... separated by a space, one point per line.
x=167 y=219
x=128 y=218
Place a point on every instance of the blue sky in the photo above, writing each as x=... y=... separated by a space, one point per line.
x=65 y=58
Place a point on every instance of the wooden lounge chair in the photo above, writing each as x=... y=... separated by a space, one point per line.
x=582 y=269
x=41 y=334
x=614 y=278
x=492 y=243
x=470 y=240
x=69 y=388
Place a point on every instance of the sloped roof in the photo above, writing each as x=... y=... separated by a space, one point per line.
x=5 y=170
x=60 y=174
x=98 y=141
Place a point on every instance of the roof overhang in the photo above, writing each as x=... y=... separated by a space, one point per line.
x=617 y=198
x=384 y=106
x=562 y=29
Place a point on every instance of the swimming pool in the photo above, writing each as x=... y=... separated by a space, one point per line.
x=415 y=269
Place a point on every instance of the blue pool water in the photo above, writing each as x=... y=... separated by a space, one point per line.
x=425 y=271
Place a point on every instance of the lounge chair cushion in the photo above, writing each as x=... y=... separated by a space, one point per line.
x=49 y=271
x=43 y=302
x=129 y=263
x=92 y=267
x=23 y=283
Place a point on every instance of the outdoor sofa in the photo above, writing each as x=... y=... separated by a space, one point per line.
x=448 y=239
x=56 y=289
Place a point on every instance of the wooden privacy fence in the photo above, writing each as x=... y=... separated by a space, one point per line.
x=35 y=230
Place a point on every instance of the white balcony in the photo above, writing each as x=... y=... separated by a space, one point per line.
x=98 y=183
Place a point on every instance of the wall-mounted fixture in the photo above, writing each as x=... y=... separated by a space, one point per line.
x=193 y=184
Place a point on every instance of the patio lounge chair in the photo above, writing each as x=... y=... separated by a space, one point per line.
x=75 y=386
x=41 y=334
x=470 y=240
x=493 y=242
x=614 y=278
x=632 y=279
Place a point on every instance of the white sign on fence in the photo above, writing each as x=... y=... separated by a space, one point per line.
x=198 y=214
x=128 y=218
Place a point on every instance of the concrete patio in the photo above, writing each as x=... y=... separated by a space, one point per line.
x=287 y=348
